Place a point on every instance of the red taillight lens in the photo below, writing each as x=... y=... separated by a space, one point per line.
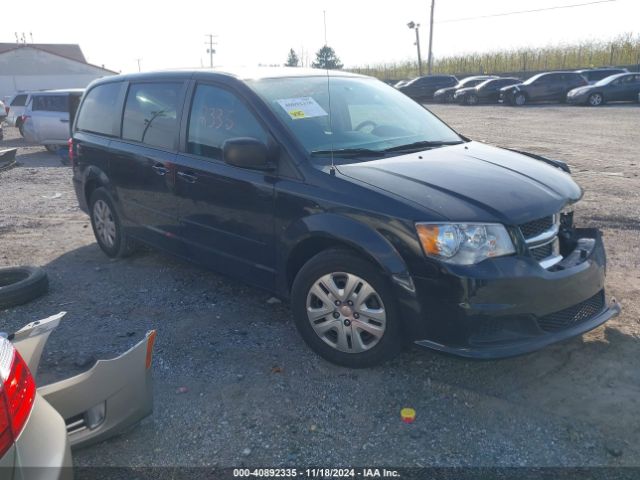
x=16 y=395
x=72 y=155
x=7 y=108
x=25 y=118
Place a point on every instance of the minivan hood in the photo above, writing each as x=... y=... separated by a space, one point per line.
x=471 y=182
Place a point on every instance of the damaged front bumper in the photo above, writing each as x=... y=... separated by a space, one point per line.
x=510 y=306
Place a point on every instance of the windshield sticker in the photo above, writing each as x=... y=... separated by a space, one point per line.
x=303 y=107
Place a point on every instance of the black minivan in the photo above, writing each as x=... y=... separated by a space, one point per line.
x=379 y=222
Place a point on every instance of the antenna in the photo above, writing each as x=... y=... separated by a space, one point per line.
x=332 y=171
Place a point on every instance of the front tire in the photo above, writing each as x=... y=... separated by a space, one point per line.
x=595 y=100
x=107 y=227
x=471 y=99
x=345 y=311
x=520 y=99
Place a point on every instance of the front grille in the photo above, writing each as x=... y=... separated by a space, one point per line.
x=536 y=227
x=540 y=253
x=571 y=316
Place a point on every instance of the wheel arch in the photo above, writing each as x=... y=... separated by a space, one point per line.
x=312 y=235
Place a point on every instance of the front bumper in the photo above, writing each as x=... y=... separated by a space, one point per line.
x=510 y=306
x=577 y=99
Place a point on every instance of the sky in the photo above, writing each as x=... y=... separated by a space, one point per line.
x=165 y=35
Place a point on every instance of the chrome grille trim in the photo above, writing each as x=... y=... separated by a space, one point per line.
x=545 y=238
x=547 y=235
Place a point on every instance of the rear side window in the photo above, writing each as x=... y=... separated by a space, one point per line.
x=218 y=115
x=100 y=109
x=19 y=101
x=151 y=114
x=50 y=103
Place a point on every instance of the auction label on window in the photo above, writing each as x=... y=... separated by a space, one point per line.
x=303 y=107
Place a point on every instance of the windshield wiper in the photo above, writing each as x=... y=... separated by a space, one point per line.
x=420 y=146
x=349 y=152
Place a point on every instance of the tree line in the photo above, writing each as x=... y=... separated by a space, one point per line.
x=326 y=59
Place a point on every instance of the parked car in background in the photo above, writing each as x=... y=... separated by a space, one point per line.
x=422 y=89
x=381 y=225
x=543 y=87
x=401 y=83
x=4 y=110
x=17 y=104
x=47 y=117
x=594 y=75
x=40 y=425
x=623 y=87
x=446 y=95
x=485 y=92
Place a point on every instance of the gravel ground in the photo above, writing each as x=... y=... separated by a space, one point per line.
x=235 y=385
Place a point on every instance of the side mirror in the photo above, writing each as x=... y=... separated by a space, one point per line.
x=247 y=152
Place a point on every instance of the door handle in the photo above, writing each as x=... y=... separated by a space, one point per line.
x=64 y=120
x=160 y=169
x=188 y=177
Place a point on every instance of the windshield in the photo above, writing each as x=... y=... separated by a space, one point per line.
x=533 y=79
x=609 y=79
x=470 y=82
x=366 y=115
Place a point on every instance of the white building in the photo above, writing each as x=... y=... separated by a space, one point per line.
x=41 y=66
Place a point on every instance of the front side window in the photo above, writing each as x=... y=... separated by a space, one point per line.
x=365 y=114
x=218 y=115
x=99 y=109
x=151 y=113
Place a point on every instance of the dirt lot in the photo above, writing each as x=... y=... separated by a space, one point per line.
x=254 y=393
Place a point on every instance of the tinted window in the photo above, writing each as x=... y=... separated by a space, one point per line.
x=50 y=103
x=19 y=101
x=99 y=109
x=150 y=113
x=218 y=115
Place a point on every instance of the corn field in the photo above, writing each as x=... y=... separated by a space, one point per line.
x=623 y=50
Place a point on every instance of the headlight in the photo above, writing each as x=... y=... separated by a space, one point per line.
x=464 y=243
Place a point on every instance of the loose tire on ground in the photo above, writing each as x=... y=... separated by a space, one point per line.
x=378 y=347
x=107 y=227
x=19 y=285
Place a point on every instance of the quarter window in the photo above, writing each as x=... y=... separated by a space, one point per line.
x=151 y=114
x=218 y=115
x=99 y=109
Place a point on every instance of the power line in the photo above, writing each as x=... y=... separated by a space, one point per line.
x=452 y=20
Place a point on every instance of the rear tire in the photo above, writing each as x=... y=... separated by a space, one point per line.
x=353 y=322
x=20 y=285
x=51 y=148
x=107 y=227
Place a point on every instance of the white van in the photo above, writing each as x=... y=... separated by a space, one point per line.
x=47 y=118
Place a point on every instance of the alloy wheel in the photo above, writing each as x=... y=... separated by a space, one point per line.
x=595 y=99
x=104 y=222
x=346 y=312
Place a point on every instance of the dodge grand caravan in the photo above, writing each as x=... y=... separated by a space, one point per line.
x=376 y=220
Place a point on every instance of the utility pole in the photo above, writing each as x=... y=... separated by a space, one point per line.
x=416 y=27
x=430 y=57
x=211 y=50
x=139 y=60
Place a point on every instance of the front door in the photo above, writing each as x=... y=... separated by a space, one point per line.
x=226 y=212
